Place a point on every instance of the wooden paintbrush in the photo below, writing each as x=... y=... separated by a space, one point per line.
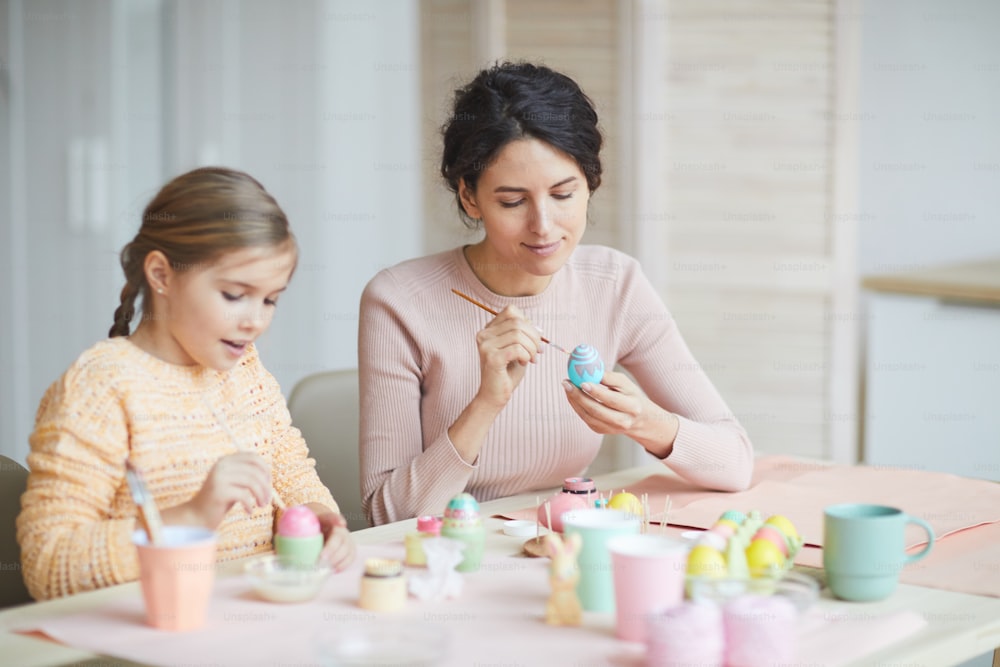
x=149 y=515
x=493 y=312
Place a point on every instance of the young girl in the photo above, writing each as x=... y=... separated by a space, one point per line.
x=455 y=401
x=212 y=257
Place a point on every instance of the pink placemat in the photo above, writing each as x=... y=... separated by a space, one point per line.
x=497 y=620
x=963 y=512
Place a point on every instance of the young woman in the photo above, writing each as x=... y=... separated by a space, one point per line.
x=454 y=400
x=210 y=261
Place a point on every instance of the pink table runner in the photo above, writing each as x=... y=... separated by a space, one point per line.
x=963 y=512
x=497 y=620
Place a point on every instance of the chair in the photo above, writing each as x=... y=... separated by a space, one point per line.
x=325 y=407
x=13 y=482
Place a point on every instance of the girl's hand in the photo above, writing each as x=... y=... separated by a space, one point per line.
x=241 y=478
x=338 y=547
x=617 y=405
x=506 y=346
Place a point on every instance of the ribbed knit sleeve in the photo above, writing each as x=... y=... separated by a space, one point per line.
x=711 y=448
x=115 y=403
x=402 y=474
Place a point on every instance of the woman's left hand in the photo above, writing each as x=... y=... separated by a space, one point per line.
x=617 y=405
x=338 y=547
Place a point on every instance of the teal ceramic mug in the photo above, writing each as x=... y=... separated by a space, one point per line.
x=864 y=549
x=596 y=527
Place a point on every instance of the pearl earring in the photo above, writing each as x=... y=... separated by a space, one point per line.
x=159 y=290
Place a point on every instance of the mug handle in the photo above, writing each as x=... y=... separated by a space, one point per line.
x=930 y=539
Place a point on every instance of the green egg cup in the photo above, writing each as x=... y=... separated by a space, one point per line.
x=302 y=551
x=474 y=538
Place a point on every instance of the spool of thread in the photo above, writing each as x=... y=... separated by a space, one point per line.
x=760 y=630
x=383 y=586
x=687 y=634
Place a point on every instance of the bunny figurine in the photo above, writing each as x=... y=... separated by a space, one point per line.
x=563 y=607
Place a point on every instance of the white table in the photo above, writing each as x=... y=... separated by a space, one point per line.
x=960 y=626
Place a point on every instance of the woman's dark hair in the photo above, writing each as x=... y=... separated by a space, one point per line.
x=193 y=220
x=511 y=101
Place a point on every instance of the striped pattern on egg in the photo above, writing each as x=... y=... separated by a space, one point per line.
x=585 y=365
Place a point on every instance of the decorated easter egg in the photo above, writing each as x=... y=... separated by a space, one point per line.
x=298 y=521
x=585 y=365
x=725 y=529
x=462 y=510
x=704 y=561
x=783 y=524
x=769 y=532
x=727 y=522
x=626 y=502
x=735 y=516
x=763 y=558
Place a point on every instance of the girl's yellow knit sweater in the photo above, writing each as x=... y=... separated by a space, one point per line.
x=116 y=402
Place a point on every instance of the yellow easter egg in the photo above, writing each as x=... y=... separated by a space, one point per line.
x=783 y=524
x=704 y=561
x=763 y=557
x=626 y=502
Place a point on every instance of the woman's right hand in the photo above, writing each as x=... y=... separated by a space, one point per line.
x=241 y=478
x=506 y=346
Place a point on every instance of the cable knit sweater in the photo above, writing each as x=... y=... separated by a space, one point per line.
x=117 y=402
x=419 y=368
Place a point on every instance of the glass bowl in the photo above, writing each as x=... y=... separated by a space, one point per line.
x=398 y=644
x=280 y=580
x=800 y=588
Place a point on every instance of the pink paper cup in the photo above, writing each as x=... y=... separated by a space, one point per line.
x=648 y=572
x=177 y=577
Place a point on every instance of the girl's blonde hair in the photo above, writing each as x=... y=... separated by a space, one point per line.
x=194 y=219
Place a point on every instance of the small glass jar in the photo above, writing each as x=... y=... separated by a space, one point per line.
x=383 y=585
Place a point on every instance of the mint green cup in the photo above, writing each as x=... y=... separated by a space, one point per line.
x=474 y=538
x=864 y=549
x=596 y=588
x=302 y=551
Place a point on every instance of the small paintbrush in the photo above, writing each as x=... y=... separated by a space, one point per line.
x=275 y=498
x=149 y=515
x=493 y=312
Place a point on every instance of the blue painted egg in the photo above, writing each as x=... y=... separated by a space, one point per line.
x=585 y=365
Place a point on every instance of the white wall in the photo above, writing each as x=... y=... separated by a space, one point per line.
x=930 y=139
x=317 y=99
x=929 y=167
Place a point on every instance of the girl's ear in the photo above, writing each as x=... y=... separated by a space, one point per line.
x=468 y=199
x=158 y=271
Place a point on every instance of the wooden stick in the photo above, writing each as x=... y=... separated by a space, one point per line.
x=538 y=523
x=275 y=498
x=645 y=513
x=666 y=513
x=548 y=515
x=493 y=312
